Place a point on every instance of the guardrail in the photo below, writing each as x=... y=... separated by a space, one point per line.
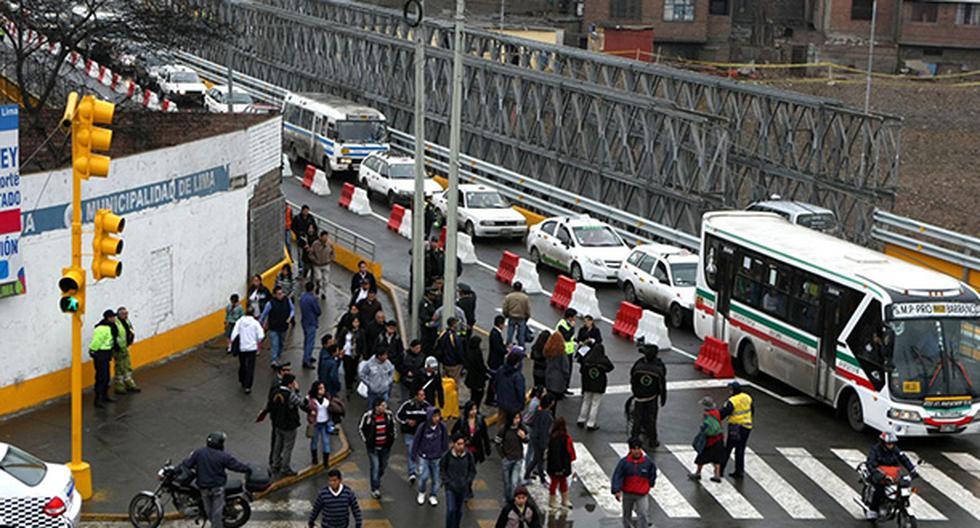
x=343 y=236
x=957 y=248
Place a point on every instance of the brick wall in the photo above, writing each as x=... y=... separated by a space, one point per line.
x=943 y=32
x=838 y=23
x=652 y=13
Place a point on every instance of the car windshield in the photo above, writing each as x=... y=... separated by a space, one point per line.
x=825 y=222
x=23 y=466
x=241 y=98
x=401 y=171
x=936 y=357
x=362 y=131
x=684 y=273
x=185 y=77
x=596 y=236
x=485 y=200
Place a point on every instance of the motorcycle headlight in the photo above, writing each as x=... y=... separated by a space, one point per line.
x=904 y=415
x=160 y=475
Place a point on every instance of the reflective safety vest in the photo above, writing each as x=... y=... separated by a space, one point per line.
x=741 y=410
x=101 y=338
x=570 y=344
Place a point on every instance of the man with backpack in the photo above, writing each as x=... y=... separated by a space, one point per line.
x=648 y=384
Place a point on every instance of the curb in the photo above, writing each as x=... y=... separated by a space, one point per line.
x=340 y=456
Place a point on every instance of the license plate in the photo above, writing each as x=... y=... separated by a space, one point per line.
x=948 y=428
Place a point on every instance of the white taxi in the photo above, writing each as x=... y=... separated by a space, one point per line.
x=216 y=100
x=181 y=83
x=392 y=177
x=483 y=212
x=35 y=493
x=663 y=277
x=586 y=248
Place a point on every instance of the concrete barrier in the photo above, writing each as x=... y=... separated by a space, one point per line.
x=652 y=329
x=465 y=249
x=405 y=229
x=527 y=274
x=287 y=168
x=359 y=203
x=320 y=187
x=585 y=301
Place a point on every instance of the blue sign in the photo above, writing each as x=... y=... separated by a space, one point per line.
x=11 y=258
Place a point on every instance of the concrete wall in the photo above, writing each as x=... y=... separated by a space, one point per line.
x=185 y=251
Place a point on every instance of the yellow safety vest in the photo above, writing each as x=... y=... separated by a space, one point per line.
x=742 y=410
x=570 y=344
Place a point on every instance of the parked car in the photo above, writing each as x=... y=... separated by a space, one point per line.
x=802 y=213
x=662 y=277
x=586 y=248
x=216 y=100
x=36 y=493
x=483 y=212
x=392 y=177
x=181 y=83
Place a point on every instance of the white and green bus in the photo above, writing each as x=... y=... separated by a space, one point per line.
x=890 y=345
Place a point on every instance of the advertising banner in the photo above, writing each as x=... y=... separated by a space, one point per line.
x=11 y=255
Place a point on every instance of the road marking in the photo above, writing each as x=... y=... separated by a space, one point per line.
x=966 y=462
x=917 y=506
x=291 y=505
x=664 y=493
x=594 y=479
x=948 y=487
x=823 y=477
x=540 y=495
x=723 y=492
x=788 y=498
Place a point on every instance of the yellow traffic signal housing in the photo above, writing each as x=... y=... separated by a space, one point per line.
x=72 y=286
x=86 y=138
x=105 y=245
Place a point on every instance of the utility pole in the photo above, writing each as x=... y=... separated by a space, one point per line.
x=418 y=204
x=502 y=13
x=871 y=56
x=455 y=116
x=228 y=59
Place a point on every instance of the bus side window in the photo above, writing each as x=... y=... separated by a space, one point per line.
x=711 y=251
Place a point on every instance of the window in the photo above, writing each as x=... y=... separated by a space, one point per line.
x=549 y=227
x=678 y=10
x=866 y=344
x=660 y=273
x=924 y=12
x=968 y=14
x=861 y=9
x=23 y=466
x=635 y=257
x=718 y=7
x=625 y=9
x=646 y=264
x=564 y=237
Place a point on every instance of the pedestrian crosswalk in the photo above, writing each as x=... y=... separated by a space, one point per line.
x=804 y=484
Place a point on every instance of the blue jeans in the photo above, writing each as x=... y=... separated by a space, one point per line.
x=378 y=457
x=429 y=468
x=511 y=473
x=322 y=432
x=309 y=341
x=374 y=397
x=454 y=508
x=412 y=465
x=517 y=325
x=277 y=338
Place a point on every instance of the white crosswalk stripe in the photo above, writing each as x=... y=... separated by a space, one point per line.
x=594 y=479
x=727 y=496
x=823 y=477
x=948 y=487
x=918 y=507
x=966 y=461
x=785 y=495
x=665 y=494
x=292 y=505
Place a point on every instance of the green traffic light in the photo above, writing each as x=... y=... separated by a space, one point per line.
x=69 y=304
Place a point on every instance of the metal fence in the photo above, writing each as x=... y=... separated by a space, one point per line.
x=957 y=248
x=363 y=246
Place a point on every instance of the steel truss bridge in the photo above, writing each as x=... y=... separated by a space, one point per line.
x=658 y=142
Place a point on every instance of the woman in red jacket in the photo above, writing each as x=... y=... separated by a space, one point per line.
x=561 y=454
x=710 y=442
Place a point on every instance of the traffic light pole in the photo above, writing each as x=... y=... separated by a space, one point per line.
x=452 y=198
x=418 y=203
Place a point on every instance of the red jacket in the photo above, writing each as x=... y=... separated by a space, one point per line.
x=635 y=476
x=714 y=439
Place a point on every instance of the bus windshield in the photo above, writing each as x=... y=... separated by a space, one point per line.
x=362 y=131
x=935 y=357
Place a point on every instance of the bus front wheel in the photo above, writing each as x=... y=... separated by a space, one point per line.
x=748 y=360
x=854 y=412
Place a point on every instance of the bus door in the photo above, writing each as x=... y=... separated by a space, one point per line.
x=725 y=277
x=830 y=323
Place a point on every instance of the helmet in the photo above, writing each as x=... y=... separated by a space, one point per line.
x=888 y=437
x=216 y=440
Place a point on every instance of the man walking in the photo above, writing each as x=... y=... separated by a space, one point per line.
x=378 y=432
x=335 y=504
x=738 y=409
x=100 y=349
x=431 y=443
x=632 y=479
x=321 y=256
x=411 y=415
x=209 y=464
x=458 y=470
x=495 y=355
x=284 y=409
x=278 y=314
x=249 y=334
x=378 y=374
x=363 y=275
x=309 y=312
x=125 y=336
x=520 y=512
x=451 y=350
x=517 y=310
x=648 y=383
x=301 y=226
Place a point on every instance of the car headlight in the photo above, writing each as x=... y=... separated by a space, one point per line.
x=486 y=223
x=597 y=262
x=904 y=415
x=344 y=160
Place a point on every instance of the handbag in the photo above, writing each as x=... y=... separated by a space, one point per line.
x=362 y=390
x=236 y=346
x=336 y=407
x=310 y=430
x=700 y=442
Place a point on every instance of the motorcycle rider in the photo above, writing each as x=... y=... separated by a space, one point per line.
x=884 y=454
x=210 y=463
x=648 y=383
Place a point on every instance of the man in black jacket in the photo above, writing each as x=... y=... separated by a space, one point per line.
x=411 y=415
x=363 y=275
x=210 y=463
x=496 y=354
x=595 y=369
x=392 y=342
x=278 y=315
x=377 y=429
x=458 y=469
x=648 y=383
x=284 y=409
x=301 y=226
x=520 y=512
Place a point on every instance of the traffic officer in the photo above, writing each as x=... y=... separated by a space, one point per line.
x=738 y=409
x=648 y=384
x=100 y=349
x=125 y=336
x=566 y=327
x=210 y=463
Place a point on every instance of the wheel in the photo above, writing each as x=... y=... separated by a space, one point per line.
x=536 y=256
x=470 y=229
x=576 y=272
x=237 y=512
x=145 y=511
x=391 y=199
x=749 y=360
x=630 y=291
x=854 y=412
x=676 y=315
x=293 y=154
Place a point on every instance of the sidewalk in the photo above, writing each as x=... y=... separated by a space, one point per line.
x=182 y=401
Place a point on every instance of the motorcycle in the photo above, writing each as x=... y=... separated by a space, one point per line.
x=177 y=484
x=895 y=500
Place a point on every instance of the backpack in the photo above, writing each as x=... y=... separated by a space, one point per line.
x=645 y=382
x=712 y=426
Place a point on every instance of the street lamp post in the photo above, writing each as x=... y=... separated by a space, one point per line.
x=418 y=205
x=455 y=116
x=871 y=55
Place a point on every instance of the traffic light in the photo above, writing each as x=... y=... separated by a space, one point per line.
x=85 y=137
x=105 y=245
x=72 y=285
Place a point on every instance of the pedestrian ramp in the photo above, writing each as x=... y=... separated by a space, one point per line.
x=789 y=483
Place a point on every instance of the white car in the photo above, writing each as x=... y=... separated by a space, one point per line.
x=663 y=277
x=801 y=213
x=392 y=177
x=216 y=100
x=483 y=212
x=586 y=248
x=36 y=494
x=181 y=83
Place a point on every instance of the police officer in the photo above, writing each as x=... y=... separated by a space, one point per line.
x=210 y=463
x=566 y=327
x=100 y=349
x=648 y=383
x=738 y=409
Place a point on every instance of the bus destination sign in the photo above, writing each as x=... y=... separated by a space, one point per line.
x=934 y=309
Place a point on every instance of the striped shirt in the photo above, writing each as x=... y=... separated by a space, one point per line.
x=335 y=509
x=380 y=430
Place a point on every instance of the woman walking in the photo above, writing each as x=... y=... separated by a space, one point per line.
x=594 y=370
x=319 y=426
x=354 y=344
x=537 y=358
x=285 y=280
x=510 y=441
x=476 y=372
x=473 y=427
x=558 y=371
x=561 y=454
x=710 y=441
